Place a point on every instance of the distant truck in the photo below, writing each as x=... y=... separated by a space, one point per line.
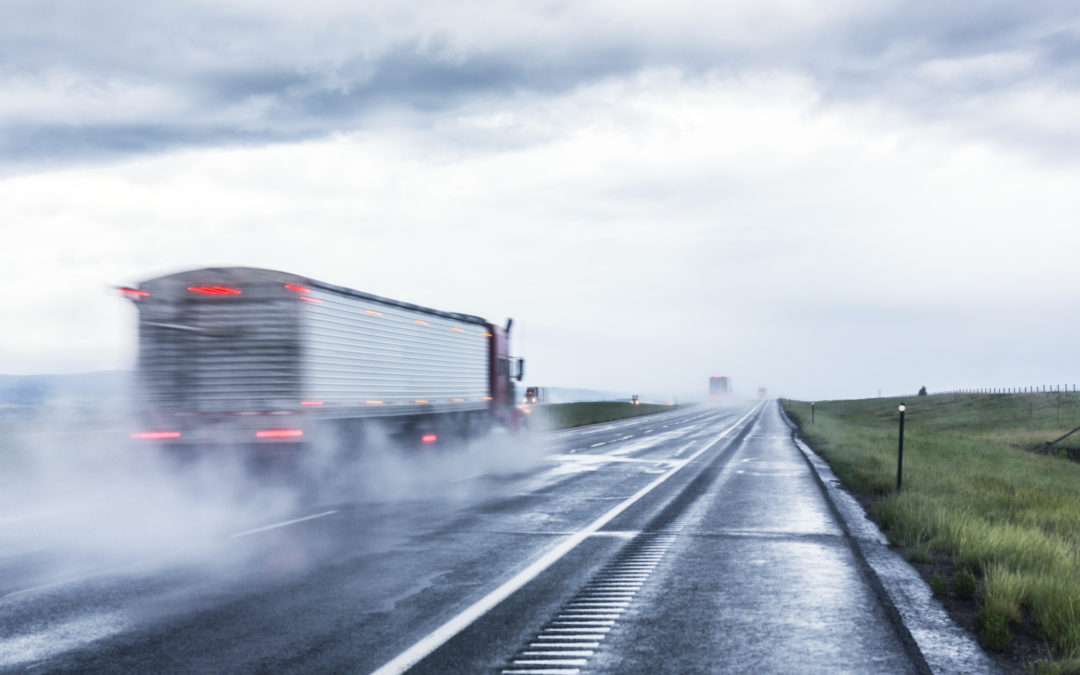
x=241 y=356
x=536 y=395
x=719 y=386
x=762 y=393
x=635 y=400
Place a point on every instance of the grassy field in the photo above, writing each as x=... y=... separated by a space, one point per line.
x=566 y=415
x=975 y=495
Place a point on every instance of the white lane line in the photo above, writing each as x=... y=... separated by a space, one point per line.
x=118 y=568
x=597 y=445
x=284 y=524
x=622 y=534
x=568 y=652
x=600 y=459
x=442 y=634
x=472 y=477
x=35 y=516
x=70 y=580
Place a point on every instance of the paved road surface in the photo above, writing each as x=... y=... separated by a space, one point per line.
x=693 y=541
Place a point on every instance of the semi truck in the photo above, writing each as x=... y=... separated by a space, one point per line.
x=247 y=356
x=719 y=386
x=536 y=395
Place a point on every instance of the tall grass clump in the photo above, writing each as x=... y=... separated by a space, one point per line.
x=976 y=489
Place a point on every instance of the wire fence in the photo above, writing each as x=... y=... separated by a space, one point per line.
x=1037 y=389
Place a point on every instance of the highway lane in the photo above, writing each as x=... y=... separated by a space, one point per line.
x=758 y=577
x=736 y=565
x=350 y=588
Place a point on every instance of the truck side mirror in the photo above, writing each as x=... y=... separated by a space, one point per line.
x=519 y=371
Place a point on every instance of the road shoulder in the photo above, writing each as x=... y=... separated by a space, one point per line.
x=944 y=646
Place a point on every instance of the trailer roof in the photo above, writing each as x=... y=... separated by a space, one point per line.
x=241 y=275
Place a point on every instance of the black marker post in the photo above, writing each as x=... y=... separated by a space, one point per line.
x=900 y=454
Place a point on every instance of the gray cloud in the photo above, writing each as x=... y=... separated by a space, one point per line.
x=116 y=78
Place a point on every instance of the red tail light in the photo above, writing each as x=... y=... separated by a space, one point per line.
x=279 y=433
x=298 y=289
x=429 y=438
x=133 y=291
x=311 y=402
x=314 y=300
x=156 y=434
x=215 y=290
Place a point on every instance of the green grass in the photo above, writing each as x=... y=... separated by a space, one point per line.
x=975 y=490
x=566 y=415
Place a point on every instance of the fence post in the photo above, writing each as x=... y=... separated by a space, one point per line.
x=900 y=452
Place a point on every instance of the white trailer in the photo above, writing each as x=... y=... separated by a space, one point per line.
x=241 y=354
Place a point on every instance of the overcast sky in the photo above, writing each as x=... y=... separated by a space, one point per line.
x=826 y=198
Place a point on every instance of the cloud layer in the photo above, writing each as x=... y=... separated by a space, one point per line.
x=826 y=199
x=116 y=78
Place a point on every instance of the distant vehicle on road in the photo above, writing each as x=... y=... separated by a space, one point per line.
x=635 y=400
x=762 y=393
x=536 y=395
x=239 y=356
x=719 y=386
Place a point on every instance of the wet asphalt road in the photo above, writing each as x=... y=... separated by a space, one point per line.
x=693 y=541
